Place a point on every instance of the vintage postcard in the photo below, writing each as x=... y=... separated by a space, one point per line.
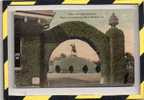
x=75 y=48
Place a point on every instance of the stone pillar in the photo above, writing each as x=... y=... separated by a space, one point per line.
x=116 y=41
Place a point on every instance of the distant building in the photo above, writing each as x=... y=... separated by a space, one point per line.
x=77 y=64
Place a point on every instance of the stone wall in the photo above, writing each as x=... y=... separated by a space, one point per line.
x=116 y=41
x=30 y=62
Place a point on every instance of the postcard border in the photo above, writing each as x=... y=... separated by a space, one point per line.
x=141 y=96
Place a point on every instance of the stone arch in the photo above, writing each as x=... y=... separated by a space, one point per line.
x=78 y=30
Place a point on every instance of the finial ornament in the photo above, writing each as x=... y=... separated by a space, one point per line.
x=113 y=21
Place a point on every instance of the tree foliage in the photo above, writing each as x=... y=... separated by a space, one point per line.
x=57 y=68
x=71 y=69
x=85 y=69
x=98 y=67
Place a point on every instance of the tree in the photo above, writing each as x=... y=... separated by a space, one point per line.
x=129 y=58
x=57 y=68
x=71 y=69
x=85 y=69
x=129 y=77
x=98 y=67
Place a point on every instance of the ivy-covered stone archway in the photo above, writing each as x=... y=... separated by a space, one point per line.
x=76 y=30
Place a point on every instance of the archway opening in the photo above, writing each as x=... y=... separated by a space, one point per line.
x=74 y=53
x=74 y=60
